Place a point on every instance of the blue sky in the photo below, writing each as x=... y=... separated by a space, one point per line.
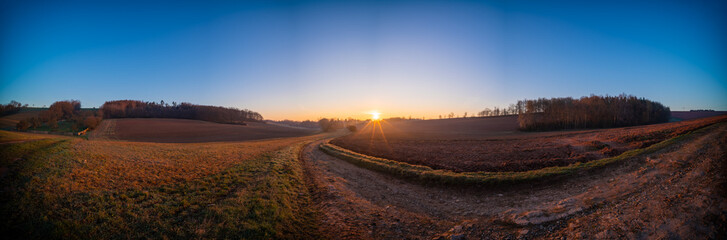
x=310 y=59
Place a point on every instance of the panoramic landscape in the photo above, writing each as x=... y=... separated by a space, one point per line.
x=363 y=120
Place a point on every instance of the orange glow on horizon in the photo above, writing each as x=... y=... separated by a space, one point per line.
x=375 y=116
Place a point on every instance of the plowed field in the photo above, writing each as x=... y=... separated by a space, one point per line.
x=494 y=144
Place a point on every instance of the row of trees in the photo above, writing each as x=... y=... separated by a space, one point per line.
x=513 y=109
x=303 y=124
x=140 y=109
x=496 y=111
x=589 y=112
x=69 y=111
x=11 y=108
x=328 y=125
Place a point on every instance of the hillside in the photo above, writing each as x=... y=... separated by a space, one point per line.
x=189 y=131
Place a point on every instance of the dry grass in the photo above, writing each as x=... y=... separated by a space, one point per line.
x=8 y=137
x=72 y=188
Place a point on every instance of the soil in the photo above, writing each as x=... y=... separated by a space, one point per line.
x=689 y=115
x=677 y=192
x=492 y=145
x=188 y=131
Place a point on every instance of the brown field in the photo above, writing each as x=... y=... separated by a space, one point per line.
x=687 y=115
x=189 y=131
x=458 y=128
x=494 y=144
x=10 y=121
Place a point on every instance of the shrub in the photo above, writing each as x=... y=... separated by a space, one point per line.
x=53 y=123
x=91 y=122
x=351 y=128
x=23 y=125
x=35 y=122
x=326 y=125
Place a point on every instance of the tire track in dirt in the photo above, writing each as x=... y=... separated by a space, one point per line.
x=359 y=203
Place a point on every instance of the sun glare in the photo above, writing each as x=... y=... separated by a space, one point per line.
x=375 y=115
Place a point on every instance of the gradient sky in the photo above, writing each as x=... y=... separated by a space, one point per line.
x=309 y=59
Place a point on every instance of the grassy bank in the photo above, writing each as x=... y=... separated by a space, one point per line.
x=70 y=188
x=427 y=174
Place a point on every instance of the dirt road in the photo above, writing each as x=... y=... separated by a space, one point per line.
x=676 y=192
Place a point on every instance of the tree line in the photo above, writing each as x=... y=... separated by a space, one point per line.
x=67 y=111
x=140 y=109
x=11 y=108
x=589 y=112
x=512 y=109
x=303 y=124
x=332 y=124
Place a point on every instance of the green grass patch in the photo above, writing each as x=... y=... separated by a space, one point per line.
x=427 y=174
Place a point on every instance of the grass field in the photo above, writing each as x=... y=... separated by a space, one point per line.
x=191 y=131
x=495 y=145
x=61 y=187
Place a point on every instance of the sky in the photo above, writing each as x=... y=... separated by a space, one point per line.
x=310 y=59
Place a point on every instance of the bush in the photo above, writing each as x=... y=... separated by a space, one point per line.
x=92 y=122
x=23 y=125
x=35 y=122
x=53 y=123
x=352 y=128
x=326 y=125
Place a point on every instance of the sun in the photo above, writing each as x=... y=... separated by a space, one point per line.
x=375 y=115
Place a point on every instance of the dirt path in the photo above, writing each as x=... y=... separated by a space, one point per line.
x=358 y=203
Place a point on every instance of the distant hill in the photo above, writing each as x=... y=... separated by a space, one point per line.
x=141 y=109
x=689 y=115
x=189 y=131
